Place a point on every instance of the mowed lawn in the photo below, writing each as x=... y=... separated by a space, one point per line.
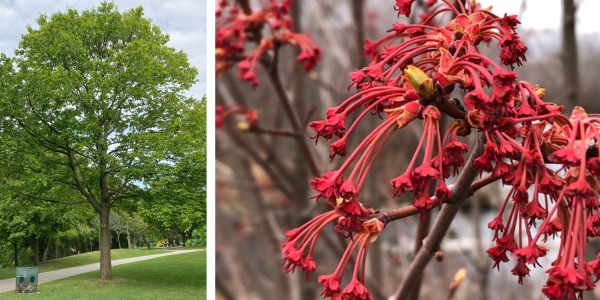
x=188 y=248
x=179 y=276
x=80 y=260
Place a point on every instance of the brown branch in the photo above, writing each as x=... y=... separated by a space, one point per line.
x=292 y=116
x=461 y=191
x=358 y=14
x=222 y=289
x=422 y=231
x=448 y=107
x=311 y=110
x=274 y=131
x=245 y=5
x=267 y=164
x=271 y=153
x=316 y=78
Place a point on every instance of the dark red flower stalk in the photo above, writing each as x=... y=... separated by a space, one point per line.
x=303 y=239
x=248 y=65
x=575 y=208
x=355 y=288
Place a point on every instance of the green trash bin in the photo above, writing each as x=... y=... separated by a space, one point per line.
x=27 y=280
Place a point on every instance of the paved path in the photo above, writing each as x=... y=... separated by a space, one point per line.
x=9 y=284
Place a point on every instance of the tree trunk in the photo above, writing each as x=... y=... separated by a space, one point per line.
x=36 y=256
x=179 y=241
x=16 y=254
x=184 y=238
x=45 y=252
x=118 y=240
x=84 y=246
x=134 y=243
x=62 y=248
x=105 y=265
x=54 y=250
x=146 y=242
x=128 y=239
x=570 y=57
x=77 y=245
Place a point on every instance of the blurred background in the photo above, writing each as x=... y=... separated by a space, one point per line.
x=262 y=179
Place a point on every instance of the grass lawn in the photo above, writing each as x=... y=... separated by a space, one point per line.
x=80 y=260
x=179 y=276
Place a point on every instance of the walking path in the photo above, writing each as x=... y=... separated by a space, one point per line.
x=7 y=285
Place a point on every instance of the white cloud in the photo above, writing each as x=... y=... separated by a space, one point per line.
x=184 y=20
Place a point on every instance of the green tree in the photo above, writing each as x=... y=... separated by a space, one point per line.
x=92 y=98
x=177 y=198
x=198 y=237
x=24 y=221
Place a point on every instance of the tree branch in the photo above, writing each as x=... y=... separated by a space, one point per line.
x=292 y=115
x=400 y=213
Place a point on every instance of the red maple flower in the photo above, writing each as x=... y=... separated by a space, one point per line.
x=356 y=290
x=331 y=285
x=403 y=7
x=327 y=185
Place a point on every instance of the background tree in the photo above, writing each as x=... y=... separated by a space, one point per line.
x=198 y=237
x=138 y=228
x=117 y=223
x=93 y=97
x=177 y=198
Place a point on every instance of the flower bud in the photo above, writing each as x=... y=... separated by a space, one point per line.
x=375 y=227
x=432 y=112
x=474 y=117
x=243 y=126
x=540 y=93
x=458 y=278
x=460 y=275
x=419 y=81
x=405 y=113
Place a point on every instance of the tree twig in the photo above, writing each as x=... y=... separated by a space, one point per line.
x=273 y=131
x=292 y=115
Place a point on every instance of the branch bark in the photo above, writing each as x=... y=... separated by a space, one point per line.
x=292 y=115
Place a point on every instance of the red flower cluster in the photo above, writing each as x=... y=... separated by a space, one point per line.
x=235 y=28
x=302 y=240
x=412 y=80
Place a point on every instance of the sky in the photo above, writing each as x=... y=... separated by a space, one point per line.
x=547 y=14
x=183 y=20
